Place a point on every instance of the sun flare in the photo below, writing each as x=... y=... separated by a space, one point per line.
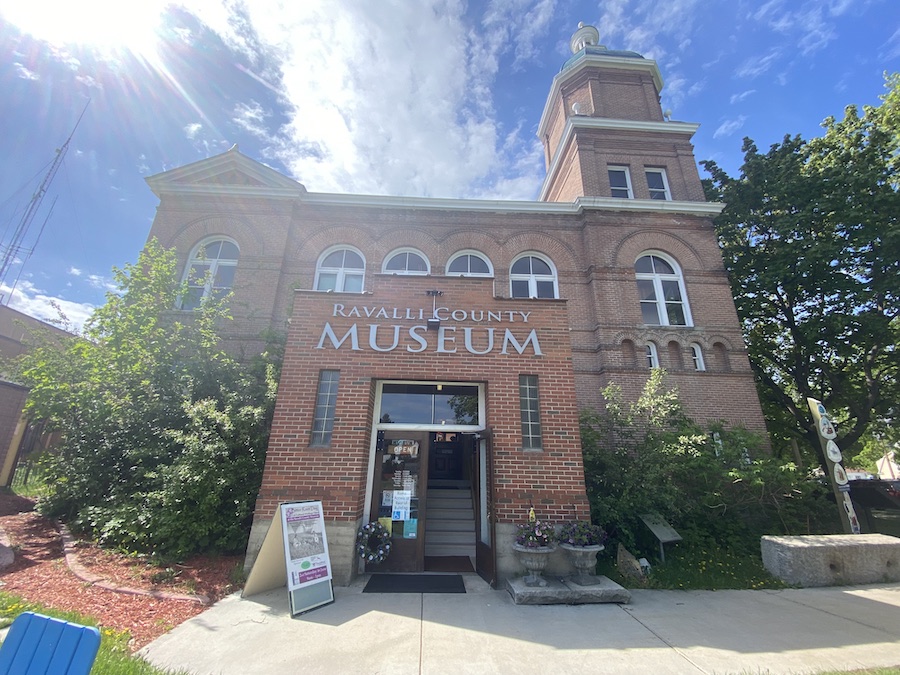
x=105 y=25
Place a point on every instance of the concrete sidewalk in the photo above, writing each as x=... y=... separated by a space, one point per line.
x=789 y=631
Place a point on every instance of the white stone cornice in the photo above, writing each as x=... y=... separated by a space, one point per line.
x=596 y=61
x=705 y=209
x=229 y=191
x=579 y=122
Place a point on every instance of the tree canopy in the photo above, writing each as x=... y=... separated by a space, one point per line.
x=162 y=433
x=811 y=243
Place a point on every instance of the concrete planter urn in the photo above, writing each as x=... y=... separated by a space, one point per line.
x=584 y=560
x=534 y=559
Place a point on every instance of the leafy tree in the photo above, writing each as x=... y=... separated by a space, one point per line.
x=162 y=433
x=811 y=242
x=648 y=456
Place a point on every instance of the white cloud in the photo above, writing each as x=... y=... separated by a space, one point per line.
x=30 y=300
x=398 y=101
x=737 y=98
x=728 y=127
x=251 y=117
x=74 y=271
x=891 y=48
x=101 y=282
x=808 y=26
x=24 y=73
x=757 y=65
x=646 y=27
x=191 y=130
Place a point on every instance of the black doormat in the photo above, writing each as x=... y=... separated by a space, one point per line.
x=415 y=583
x=448 y=563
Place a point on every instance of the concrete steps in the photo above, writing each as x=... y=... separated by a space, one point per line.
x=450 y=522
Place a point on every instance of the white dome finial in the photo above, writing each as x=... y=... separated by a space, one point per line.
x=583 y=37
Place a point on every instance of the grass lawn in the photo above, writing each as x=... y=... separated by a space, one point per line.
x=113 y=658
x=696 y=566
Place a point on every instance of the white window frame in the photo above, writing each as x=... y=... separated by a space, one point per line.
x=470 y=252
x=657 y=278
x=666 y=194
x=342 y=273
x=214 y=265
x=627 y=172
x=533 y=278
x=530 y=412
x=652 y=355
x=406 y=249
x=697 y=356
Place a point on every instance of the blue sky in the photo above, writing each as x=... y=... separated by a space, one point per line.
x=405 y=97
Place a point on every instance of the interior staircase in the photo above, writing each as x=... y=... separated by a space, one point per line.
x=450 y=521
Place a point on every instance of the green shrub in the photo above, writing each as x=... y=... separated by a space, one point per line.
x=648 y=456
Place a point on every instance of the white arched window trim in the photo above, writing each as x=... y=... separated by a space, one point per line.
x=342 y=278
x=536 y=282
x=409 y=250
x=476 y=254
x=209 y=275
x=652 y=355
x=660 y=283
x=697 y=357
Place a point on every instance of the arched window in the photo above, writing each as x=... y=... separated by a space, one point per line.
x=661 y=289
x=341 y=270
x=406 y=261
x=652 y=356
x=697 y=356
x=210 y=271
x=470 y=264
x=532 y=276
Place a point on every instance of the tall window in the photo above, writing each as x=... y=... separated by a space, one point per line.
x=406 y=261
x=620 y=182
x=529 y=407
x=210 y=271
x=697 y=356
x=532 y=277
x=661 y=290
x=652 y=356
x=657 y=184
x=326 y=399
x=341 y=270
x=470 y=264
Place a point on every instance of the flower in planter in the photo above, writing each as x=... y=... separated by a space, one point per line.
x=582 y=533
x=535 y=533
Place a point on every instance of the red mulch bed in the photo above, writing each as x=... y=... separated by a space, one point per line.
x=39 y=574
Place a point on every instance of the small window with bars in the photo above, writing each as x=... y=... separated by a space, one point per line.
x=529 y=406
x=326 y=399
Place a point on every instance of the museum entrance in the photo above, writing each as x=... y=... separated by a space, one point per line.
x=425 y=475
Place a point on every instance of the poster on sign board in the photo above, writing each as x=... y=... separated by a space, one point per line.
x=305 y=545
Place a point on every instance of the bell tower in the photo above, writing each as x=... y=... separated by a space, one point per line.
x=605 y=134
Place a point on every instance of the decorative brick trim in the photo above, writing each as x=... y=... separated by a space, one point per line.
x=85 y=575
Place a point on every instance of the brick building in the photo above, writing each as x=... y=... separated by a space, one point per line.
x=439 y=349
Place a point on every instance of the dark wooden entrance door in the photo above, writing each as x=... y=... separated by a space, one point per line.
x=483 y=485
x=399 y=496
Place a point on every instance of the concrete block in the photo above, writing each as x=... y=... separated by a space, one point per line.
x=833 y=559
x=565 y=592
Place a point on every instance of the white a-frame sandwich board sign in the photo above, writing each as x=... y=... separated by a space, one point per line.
x=296 y=549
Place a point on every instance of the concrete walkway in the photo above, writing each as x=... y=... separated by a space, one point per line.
x=789 y=631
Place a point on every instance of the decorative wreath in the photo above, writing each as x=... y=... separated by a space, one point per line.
x=373 y=543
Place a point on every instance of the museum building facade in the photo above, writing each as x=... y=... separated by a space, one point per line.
x=439 y=350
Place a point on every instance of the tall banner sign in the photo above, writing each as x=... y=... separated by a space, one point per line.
x=837 y=475
x=306 y=557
